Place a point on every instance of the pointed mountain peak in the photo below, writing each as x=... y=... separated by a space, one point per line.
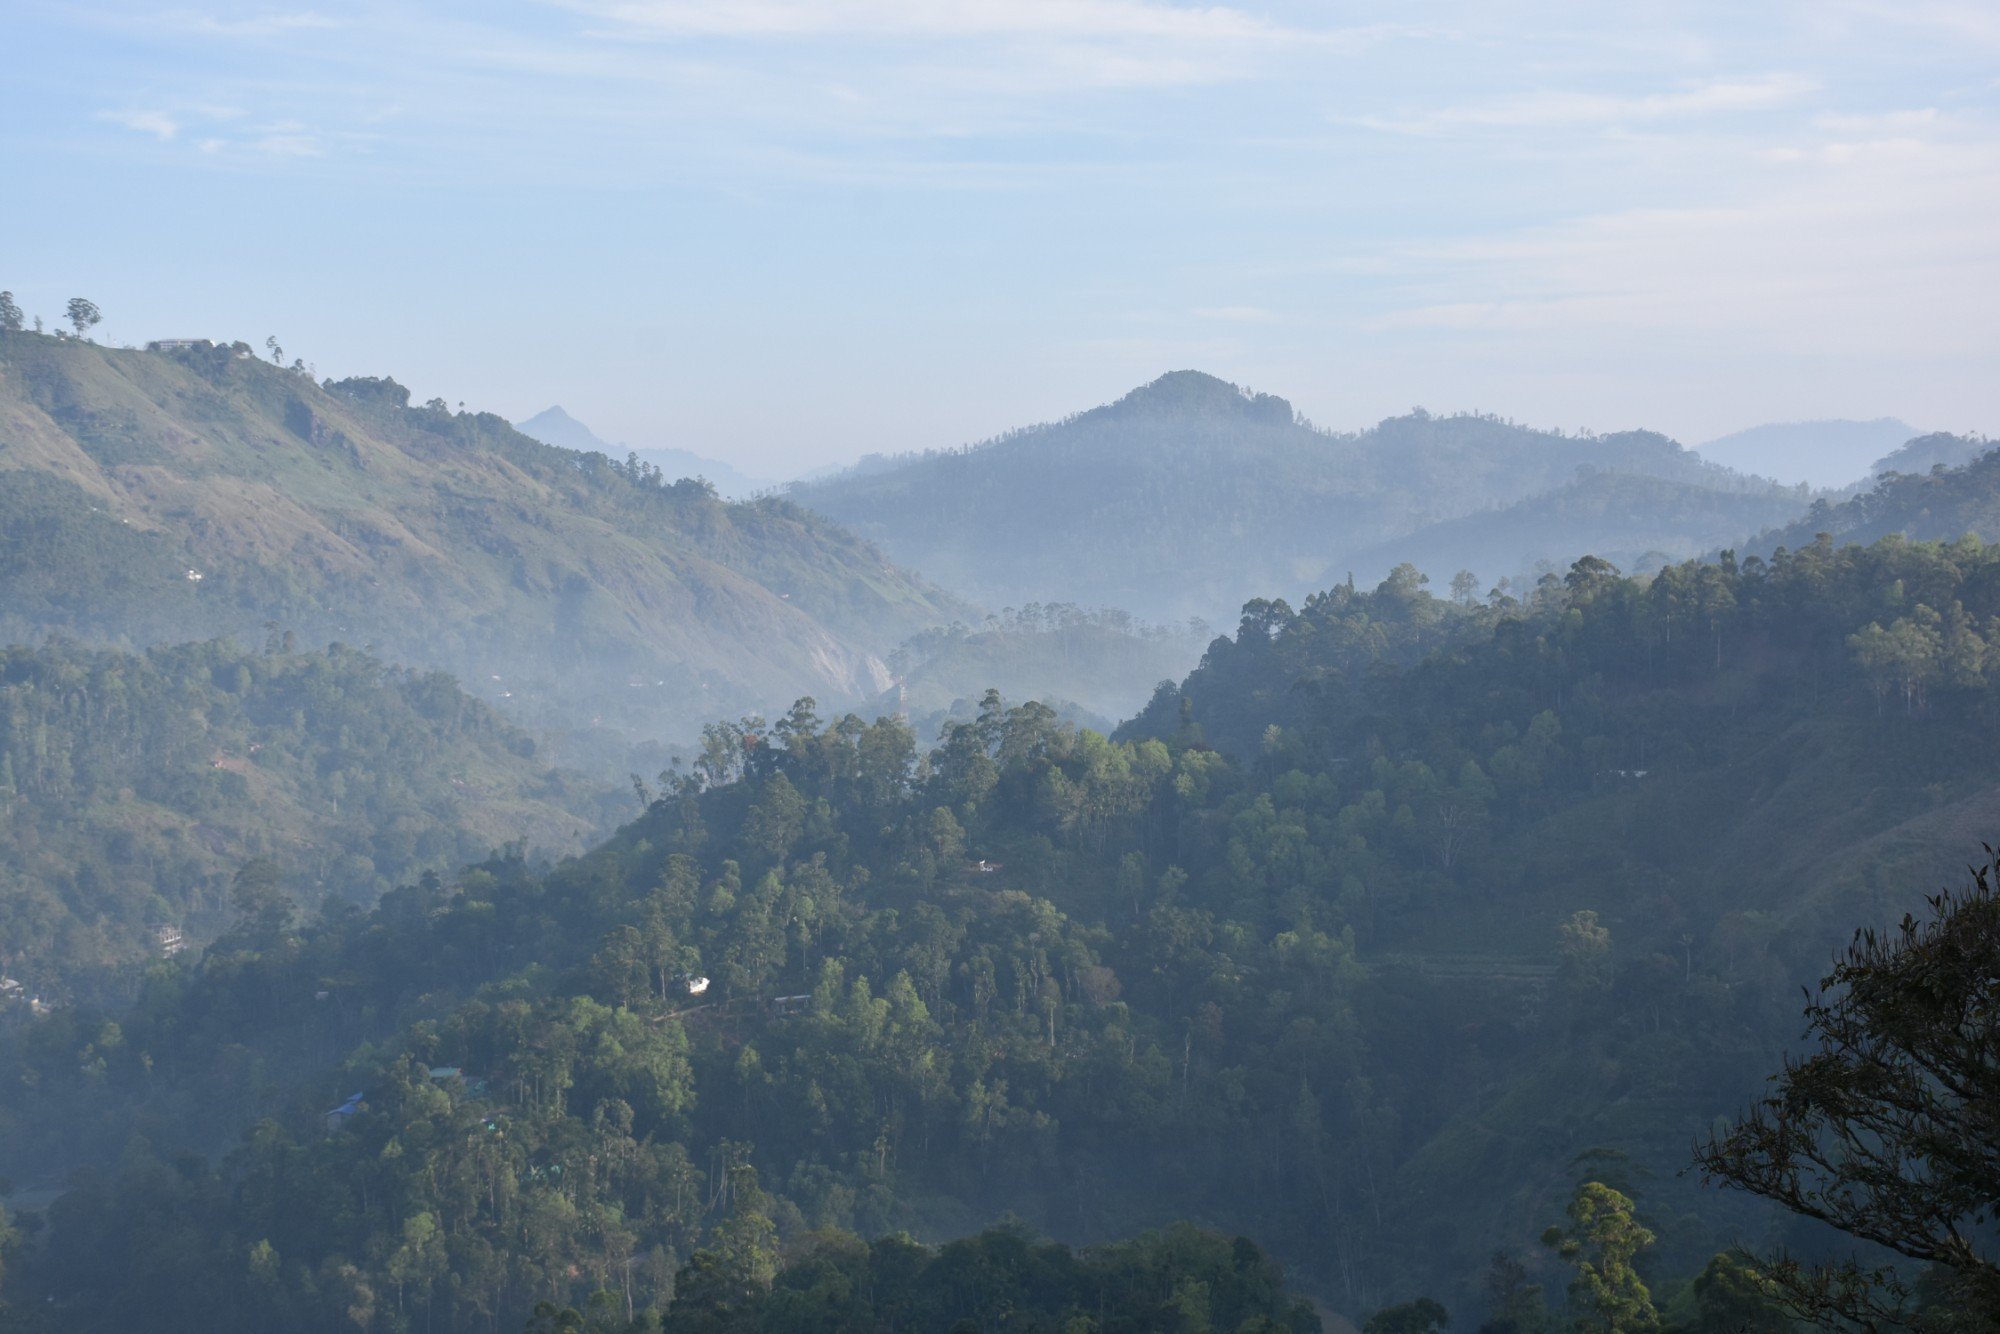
x=554 y=426
x=1199 y=394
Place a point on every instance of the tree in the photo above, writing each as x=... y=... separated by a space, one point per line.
x=1422 y=1316
x=1606 y=1296
x=1464 y=587
x=1908 y=655
x=264 y=911
x=83 y=314
x=1584 y=948
x=1514 y=1305
x=277 y=353
x=10 y=314
x=1890 y=1131
x=1732 y=1297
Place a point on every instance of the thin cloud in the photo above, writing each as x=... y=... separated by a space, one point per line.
x=934 y=18
x=1238 y=314
x=1561 y=109
x=1878 y=250
x=1978 y=23
x=157 y=123
x=288 y=139
x=256 y=25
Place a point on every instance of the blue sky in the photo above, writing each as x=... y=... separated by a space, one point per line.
x=789 y=232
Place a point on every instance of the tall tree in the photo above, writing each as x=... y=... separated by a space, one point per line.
x=1890 y=1131
x=10 y=314
x=1606 y=1296
x=83 y=314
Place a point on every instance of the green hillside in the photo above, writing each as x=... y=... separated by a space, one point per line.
x=1189 y=496
x=1485 y=903
x=581 y=588
x=135 y=790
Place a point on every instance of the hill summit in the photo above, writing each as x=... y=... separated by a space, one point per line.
x=1189 y=495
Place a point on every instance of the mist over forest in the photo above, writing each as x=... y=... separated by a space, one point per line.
x=1113 y=667
x=1462 y=872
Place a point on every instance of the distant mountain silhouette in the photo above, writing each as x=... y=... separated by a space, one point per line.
x=553 y=426
x=1820 y=453
x=1189 y=495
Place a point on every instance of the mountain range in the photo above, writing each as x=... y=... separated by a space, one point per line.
x=1188 y=496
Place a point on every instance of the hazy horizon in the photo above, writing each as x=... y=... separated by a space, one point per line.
x=785 y=235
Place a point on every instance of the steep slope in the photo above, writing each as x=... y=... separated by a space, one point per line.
x=1187 y=497
x=162 y=495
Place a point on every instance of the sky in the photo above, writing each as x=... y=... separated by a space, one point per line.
x=791 y=232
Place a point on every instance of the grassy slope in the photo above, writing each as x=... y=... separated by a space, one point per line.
x=447 y=540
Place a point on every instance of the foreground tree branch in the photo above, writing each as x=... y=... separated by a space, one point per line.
x=1890 y=1131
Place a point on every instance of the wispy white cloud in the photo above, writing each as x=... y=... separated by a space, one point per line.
x=1238 y=314
x=1879 y=248
x=1979 y=23
x=935 y=18
x=274 y=24
x=287 y=139
x=1553 y=109
x=157 y=123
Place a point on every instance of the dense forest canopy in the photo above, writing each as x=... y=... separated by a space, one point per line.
x=135 y=786
x=1401 y=932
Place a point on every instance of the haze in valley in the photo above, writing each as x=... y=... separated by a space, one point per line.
x=1061 y=666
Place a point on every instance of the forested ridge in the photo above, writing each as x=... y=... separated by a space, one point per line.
x=1952 y=488
x=1400 y=928
x=1188 y=496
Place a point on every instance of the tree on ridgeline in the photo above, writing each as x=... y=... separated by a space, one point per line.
x=83 y=314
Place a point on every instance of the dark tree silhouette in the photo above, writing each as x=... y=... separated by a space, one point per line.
x=83 y=314
x=1890 y=1132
